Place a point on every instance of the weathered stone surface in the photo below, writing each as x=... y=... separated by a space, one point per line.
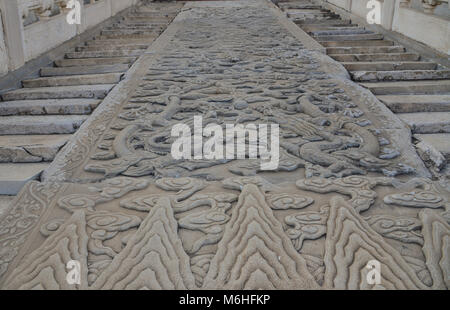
x=318 y=27
x=340 y=38
x=101 y=46
x=331 y=22
x=116 y=34
x=94 y=61
x=434 y=148
x=48 y=107
x=97 y=41
x=349 y=187
x=40 y=125
x=357 y=43
x=339 y=31
x=404 y=81
x=5 y=202
x=104 y=54
x=72 y=87
x=439 y=141
x=364 y=50
x=14 y=177
x=242 y=233
x=422 y=87
x=427 y=122
x=376 y=57
x=400 y=75
x=84 y=70
x=388 y=66
x=73 y=80
x=416 y=103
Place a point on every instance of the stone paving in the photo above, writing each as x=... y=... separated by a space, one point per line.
x=349 y=188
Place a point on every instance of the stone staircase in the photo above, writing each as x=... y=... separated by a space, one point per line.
x=417 y=90
x=37 y=120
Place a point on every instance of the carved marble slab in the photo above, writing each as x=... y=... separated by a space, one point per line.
x=237 y=64
x=240 y=233
x=349 y=189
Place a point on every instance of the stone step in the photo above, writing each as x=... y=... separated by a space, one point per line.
x=365 y=50
x=312 y=18
x=143 y=19
x=132 y=33
x=148 y=36
x=313 y=28
x=124 y=30
x=324 y=27
x=312 y=15
x=298 y=5
x=59 y=92
x=82 y=70
x=162 y=7
x=409 y=87
x=427 y=122
x=109 y=47
x=14 y=176
x=139 y=26
x=293 y=5
x=132 y=23
x=416 y=103
x=30 y=148
x=94 y=61
x=314 y=22
x=161 y=22
x=40 y=125
x=376 y=57
x=389 y=66
x=317 y=11
x=356 y=43
x=310 y=12
x=104 y=54
x=151 y=15
x=99 y=40
x=320 y=33
x=318 y=14
x=306 y=10
x=438 y=141
x=48 y=107
x=118 y=44
x=71 y=80
x=5 y=202
x=400 y=75
x=350 y=37
x=159 y=8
